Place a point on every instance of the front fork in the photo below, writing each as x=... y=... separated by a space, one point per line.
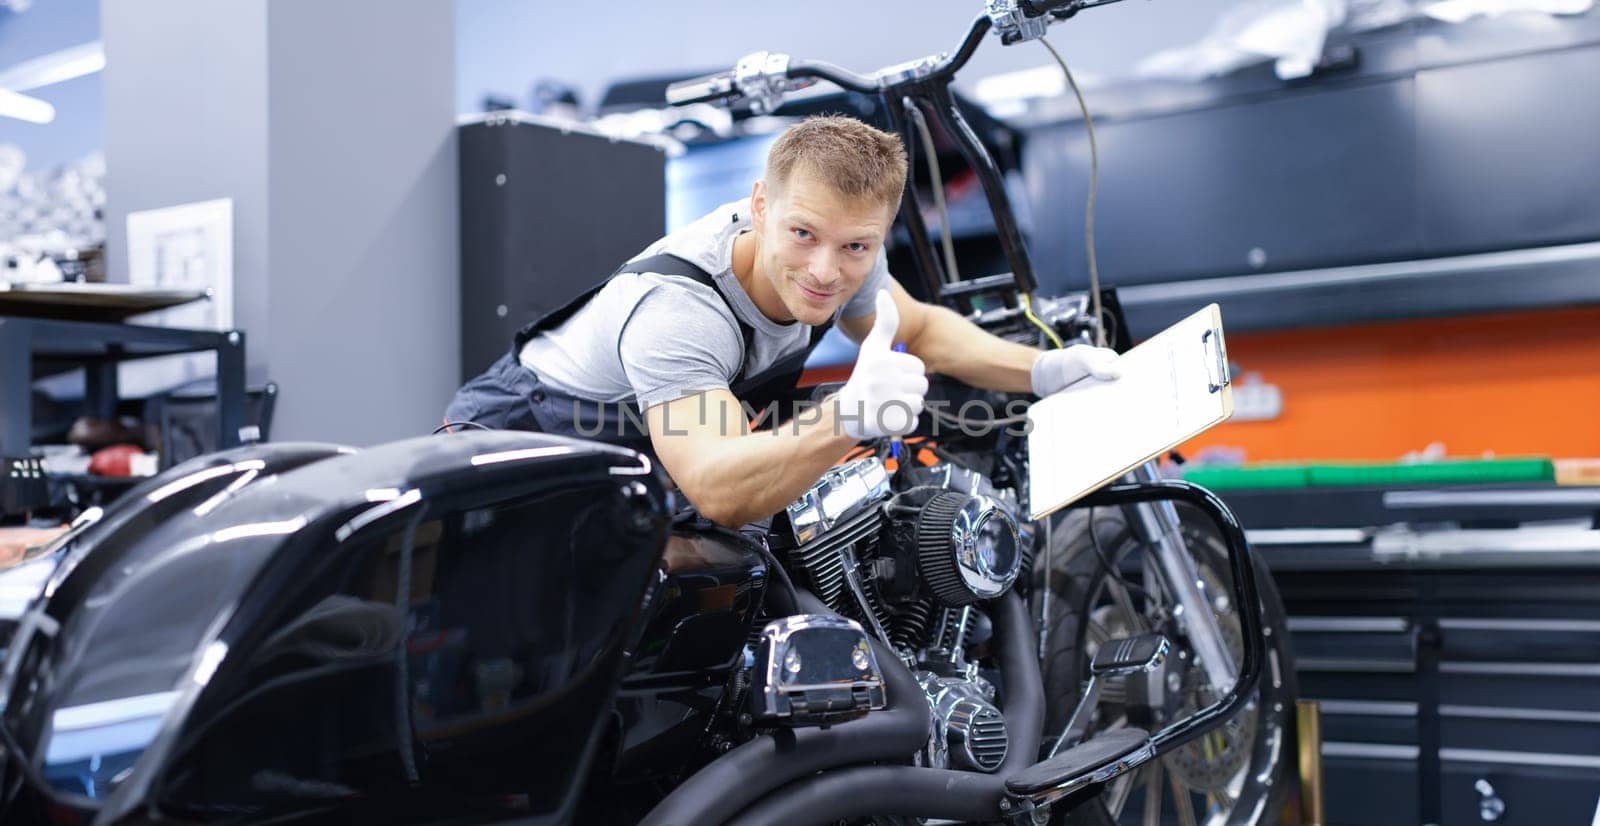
x=1156 y=524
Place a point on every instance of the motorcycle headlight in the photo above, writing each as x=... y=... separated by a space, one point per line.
x=967 y=548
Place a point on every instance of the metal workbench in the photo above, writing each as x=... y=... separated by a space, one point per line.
x=34 y=347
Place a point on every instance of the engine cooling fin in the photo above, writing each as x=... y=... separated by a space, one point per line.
x=820 y=562
x=911 y=624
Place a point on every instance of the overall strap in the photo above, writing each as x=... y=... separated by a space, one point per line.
x=662 y=263
x=669 y=264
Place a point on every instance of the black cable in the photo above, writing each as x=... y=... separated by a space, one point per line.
x=941 y=453
x=31 y=774
x=1094 y=188
x=779 y=580
x=951 y=275
x=447 y=425
x=1105 y=561
x=966 y=424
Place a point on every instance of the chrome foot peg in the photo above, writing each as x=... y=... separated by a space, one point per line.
x=1130 y=655
x=1116 y=658
x=1097 y=760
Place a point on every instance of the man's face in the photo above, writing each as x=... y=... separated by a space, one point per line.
x=817 y=247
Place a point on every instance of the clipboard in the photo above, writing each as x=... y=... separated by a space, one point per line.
x=1174 y=387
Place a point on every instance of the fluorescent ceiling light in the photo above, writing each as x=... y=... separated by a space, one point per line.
x=1457 y=11
x=22 y=107
x=1040 y=82
x=1027 y=84
x=56 y=67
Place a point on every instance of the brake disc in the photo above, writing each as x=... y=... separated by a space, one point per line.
x=1210 y=763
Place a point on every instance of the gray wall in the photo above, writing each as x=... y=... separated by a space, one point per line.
x=331 y=126
x=185 y=90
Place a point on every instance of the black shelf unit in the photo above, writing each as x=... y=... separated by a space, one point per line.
x=34 y=347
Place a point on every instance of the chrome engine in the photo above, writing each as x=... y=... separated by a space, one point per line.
x=971 y=732
x=912 y=559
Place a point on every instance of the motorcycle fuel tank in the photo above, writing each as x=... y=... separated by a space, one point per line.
x=415 y=632
x=710 y=590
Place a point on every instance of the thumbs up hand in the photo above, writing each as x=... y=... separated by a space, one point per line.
x=885 y=392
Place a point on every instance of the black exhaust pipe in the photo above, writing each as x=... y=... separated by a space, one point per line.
x=1024 y=688
x=733 y=781
x=906 y=791
x=901 y=791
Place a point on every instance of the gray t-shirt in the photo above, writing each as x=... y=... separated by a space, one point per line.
x=651 y=338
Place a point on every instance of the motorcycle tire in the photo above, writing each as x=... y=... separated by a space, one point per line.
x=1081 y=593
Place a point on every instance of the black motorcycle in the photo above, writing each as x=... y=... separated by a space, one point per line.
x=512 y=627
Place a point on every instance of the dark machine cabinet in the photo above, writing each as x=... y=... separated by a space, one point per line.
x=1523 y=796
x=1508 y=152
x=1450 y=695
x=1451 y=637
x=1304 y=180
x=1445 y=170
x=547 y=211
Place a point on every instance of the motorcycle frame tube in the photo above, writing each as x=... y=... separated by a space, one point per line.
x=932 y=95
x=928 y=265
x=1245 y=596
x=738 y=778
x=1157 y=524
x=949 y=116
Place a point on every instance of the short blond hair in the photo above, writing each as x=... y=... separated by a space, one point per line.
x=854 y=159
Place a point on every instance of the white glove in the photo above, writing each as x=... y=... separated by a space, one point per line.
x=884 y=394
x=1053 y=370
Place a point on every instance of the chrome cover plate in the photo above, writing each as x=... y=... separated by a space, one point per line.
x=968 y=731
x=987 y=574
x=814 y=669
x=841 y=493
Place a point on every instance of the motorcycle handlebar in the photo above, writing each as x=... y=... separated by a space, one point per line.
x=758 y=76
x=741 y=82
x=1040 y=8
x=837 y=75
x=713 y=88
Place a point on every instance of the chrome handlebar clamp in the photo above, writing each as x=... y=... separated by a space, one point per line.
x=763 y=79
x=1012 y=23
x=910 y=70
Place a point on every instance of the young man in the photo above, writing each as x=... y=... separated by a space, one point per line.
x=726 y=310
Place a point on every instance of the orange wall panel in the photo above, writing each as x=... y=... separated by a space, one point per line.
x=1509 y=384
x=1513 y=384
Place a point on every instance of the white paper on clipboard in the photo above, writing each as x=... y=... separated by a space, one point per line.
x=1173 y=387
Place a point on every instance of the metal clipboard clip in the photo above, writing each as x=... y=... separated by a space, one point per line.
x=1216 y=359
